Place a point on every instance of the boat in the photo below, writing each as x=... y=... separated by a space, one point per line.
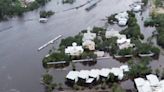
x=43 y=20
x=91 y=5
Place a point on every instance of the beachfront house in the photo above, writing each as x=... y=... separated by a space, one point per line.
x=136 y=8
x=118 y=73
x=99 y=53
x=89 y=44
x=28 y=1
x=95 y=73
x=122 y=18
x=88 y=35
x=124 y=43
x=124 y=68
x=72 y=76
x=152 y=84
x=112 y=33
x=74 y=50
x=104 y=73
x=83 y=76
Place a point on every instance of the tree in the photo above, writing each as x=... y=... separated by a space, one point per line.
x=117 y=88
x=47 y=79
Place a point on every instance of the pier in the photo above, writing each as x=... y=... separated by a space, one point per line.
x=50 y=42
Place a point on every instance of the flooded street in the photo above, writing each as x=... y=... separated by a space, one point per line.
x=20 y=62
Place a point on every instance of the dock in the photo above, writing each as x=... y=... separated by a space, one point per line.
x=92 y=4
x=77 y=61
x=50 y=42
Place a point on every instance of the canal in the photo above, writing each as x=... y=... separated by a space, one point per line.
x=20 y=62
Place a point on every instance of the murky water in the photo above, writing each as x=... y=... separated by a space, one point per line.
x=20 y=63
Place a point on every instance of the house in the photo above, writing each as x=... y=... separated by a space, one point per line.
x=94 y=73
x=105 y=72
x=89 y=35
x=125 y=68
x=122 y=18
x=72 y=76
x=83 y=76
x=89 y=44
x=124 y=43
x=74 y=50
x=142 y=85
x=28 y=1
x=136 y=7
x=99 y=53
x=152 y=84
x=112 y=33
x=118 y=72
x=153 y=80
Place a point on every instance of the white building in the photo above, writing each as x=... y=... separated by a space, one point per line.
x=105 y=72
x=94 y=73
x=118 y=72
x=124 y=43
x=29 y=1
x=122 y=18
x=136 y=8
x=152 y=84
x=125 y=68
x=99 y=53
x=89 y=44
x=113 y=33
x=84 y=74
x=89 y=35
x=73 y=75
x=74 y=50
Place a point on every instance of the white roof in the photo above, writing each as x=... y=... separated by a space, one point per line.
x=139 y=81
x=89 y=36
x=142 y=85
x=29 y=1
x=122 y=40
x=146 y=85
x=104 y=72
x=117 y=72
x=125 y=68
x=90 y=80
x=88 y=42
x=152 y=79
x=73 y=75
x=84 y=74
x=111 y=33
x=122 y=18
x=99 y=53
x=74 y=49
x=94 y=73
x=136 y=7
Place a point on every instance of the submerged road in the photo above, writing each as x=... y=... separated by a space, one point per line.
x=20 y=62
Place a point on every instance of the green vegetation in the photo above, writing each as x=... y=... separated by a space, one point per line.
x=126 y=51
x=9 y=8
x=158 y=22
x=68 y=1
x=159 y=3
x=112 y=19
x=144 y=48
x=139 y=69
x=133 y=29
x=145 y=2
x=56 y=57
x=117 y=88
x=46 y=14
x=69 y=40
x=48 y=82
